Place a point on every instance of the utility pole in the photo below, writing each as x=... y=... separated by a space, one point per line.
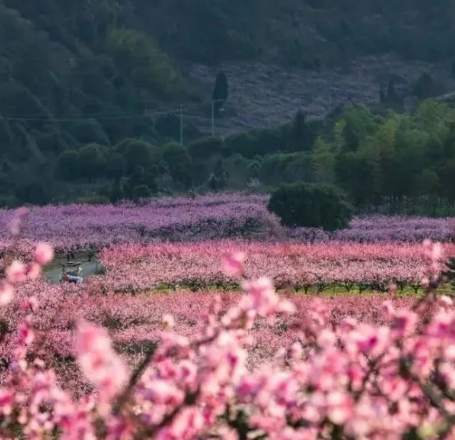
x=181 y=125
x=213 y=118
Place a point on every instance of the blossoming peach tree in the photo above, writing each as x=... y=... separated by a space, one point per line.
x=345 y=380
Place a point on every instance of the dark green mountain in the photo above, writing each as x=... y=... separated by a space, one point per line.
x=78 y=73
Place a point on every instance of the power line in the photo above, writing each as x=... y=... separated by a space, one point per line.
x=98 y=118
x=179 y=111
x=144 y=114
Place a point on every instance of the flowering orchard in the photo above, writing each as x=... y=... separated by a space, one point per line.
x=136 y=268
x=134 y=323
x=209 y=217
x=349 y=368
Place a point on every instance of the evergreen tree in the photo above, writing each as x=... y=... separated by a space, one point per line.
x=394 y=100
x=425 y=87
x=220 y=91
x=301 y=136
x=351 y=139
x=382 y=95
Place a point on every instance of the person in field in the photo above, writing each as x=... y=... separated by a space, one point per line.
x=71 y=275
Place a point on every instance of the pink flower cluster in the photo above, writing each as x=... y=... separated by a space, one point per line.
x=133 y=268
x=338 y=378
x=18 y=272
x=135 y=322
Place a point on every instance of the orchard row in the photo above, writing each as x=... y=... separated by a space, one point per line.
x=135 y=322
x=210 y=217
x=136 y=268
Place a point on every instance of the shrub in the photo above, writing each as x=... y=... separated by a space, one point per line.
x=205 y=148
x=140 y=177
x=263 y=141
x=116 y=194
x=311 y=205
x=178 y=163
x=115 y=166
x=136 y=153
x=141 y=192
x=32 y=193
x=245 y=144
x=92 y=161
x=286 y=168
x=68 y=165
x=96 y=199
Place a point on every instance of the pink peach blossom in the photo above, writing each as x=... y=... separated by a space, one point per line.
x=233 y=263
x=16 y=272
x=6 y=292
x=44 y=253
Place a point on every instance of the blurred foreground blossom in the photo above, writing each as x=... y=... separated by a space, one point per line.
x=44 y=253
x=6 y=292
x=233 y=263
x=34 y=271
x=16 y=272
x=99 y=362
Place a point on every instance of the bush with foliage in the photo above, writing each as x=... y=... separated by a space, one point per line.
x=95 y=199
x=92 y=161
x=33 y=192
x=68 y=165
x=142 y=179
x=286 y=168
x=116 y=194
x=204 y=149
x=136 y=153
x=178 y=163
x=141 y=192
x=311 y=205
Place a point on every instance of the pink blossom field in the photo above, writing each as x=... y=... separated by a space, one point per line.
x=223 y=325
x=208 y=217
x=135 y=322
x=166 y=258
x=323 y=266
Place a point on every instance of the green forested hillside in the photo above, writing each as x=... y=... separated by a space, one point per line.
x=76 y=77
x=68 y=71
x=305 y=33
